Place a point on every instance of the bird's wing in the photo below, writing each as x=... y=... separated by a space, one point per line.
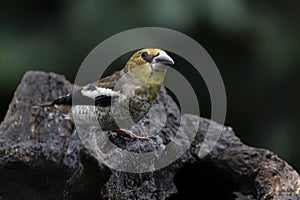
x=104 y=87
x=99 y=93
x=109 y=81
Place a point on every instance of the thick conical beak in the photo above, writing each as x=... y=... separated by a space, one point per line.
x=163 y=58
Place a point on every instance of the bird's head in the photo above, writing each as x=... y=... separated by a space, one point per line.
x=149 y=65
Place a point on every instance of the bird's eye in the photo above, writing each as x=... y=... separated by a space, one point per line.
x=144 y=54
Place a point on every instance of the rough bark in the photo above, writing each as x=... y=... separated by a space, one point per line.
x=42 y=157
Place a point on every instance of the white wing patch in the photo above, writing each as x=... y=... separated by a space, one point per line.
x=92 y=91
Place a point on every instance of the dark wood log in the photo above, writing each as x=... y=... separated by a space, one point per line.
x=42 y=157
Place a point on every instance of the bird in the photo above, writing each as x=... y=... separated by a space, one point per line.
x=125 y=97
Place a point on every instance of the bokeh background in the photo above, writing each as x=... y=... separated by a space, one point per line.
x=255 y=44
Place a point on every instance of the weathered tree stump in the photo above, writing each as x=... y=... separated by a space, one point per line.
x=42 y=157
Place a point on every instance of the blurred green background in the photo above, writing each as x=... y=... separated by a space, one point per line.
x=255 y=44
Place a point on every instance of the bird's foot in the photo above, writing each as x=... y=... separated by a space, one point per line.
x=131 y=135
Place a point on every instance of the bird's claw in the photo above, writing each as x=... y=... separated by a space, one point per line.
x=131 y=135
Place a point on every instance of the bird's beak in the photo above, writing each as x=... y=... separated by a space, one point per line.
x=163 y=58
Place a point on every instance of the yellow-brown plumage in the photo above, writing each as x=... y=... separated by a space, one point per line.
x=135 y=87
